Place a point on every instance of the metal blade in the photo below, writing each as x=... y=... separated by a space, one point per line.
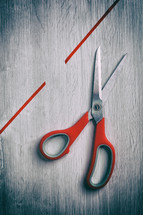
x=96 y=106
x=109 y=84
x=97 y=75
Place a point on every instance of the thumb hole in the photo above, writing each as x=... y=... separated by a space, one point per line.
x=55 y=145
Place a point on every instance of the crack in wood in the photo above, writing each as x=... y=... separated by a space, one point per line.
x=1 y=155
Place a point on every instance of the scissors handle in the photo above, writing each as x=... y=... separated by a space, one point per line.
x=103 y=147
x=69 y=135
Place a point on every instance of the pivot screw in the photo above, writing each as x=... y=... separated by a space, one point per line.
x=97 y=107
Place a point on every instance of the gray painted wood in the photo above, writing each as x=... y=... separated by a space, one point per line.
x=36 y=37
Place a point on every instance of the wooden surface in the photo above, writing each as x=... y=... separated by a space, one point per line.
x=35 y=39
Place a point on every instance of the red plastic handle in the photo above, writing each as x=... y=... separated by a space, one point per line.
x=101 y=141
x=71 y=134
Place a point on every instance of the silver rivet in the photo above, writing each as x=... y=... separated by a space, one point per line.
x=97 y=107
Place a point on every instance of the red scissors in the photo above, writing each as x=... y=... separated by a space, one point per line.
x=101 y=144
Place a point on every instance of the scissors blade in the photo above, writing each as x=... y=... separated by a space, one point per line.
x=109 y=84
x=97 y=90
x=96 y=105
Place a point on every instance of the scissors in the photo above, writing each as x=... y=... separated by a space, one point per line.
x=101 y=144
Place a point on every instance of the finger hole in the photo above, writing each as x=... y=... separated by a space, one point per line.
x=102 y=166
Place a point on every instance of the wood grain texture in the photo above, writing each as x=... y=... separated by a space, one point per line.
x=36 y=36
